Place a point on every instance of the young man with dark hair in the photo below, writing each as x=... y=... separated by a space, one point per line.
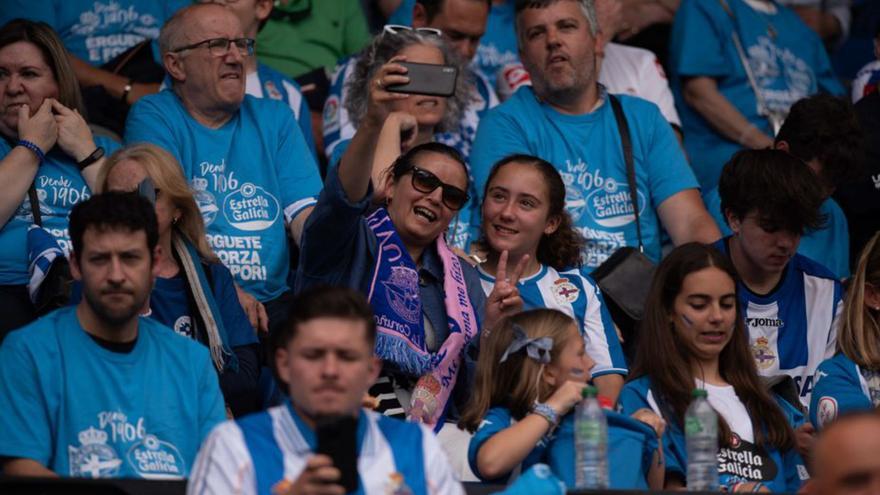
x=823 y=131
x=791 y=303
x=846 y=457
x=93 y=390
x=324 y=353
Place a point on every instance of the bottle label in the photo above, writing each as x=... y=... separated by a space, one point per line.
x=590 y=431
x=692 y=426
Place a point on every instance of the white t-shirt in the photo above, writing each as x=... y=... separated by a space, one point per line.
x=637 y=72
x=726 y=403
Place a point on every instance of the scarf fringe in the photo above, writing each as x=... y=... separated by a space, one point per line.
x=396 y=350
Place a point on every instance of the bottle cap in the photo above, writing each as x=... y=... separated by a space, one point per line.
x=699 y=392
x=589 y=391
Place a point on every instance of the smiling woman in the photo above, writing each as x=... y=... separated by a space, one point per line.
x=46 y=143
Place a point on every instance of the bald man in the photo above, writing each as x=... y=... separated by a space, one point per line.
x=846 y=458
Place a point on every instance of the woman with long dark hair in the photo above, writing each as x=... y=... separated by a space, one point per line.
x=693 y=336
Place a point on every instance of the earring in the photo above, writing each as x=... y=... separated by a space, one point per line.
x=175 y=220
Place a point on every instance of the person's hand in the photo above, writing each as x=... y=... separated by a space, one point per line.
x=407 y=127
x=651 y=419
x=380 y=100
x=74 y=136
x=319 y=477
x=254 y=310
x=750 y=488
x=504 y=300
x=39 y=128
x=609 y=14
x=566 y=397
x=805 y=437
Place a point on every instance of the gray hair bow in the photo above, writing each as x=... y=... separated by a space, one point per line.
x=537 y=349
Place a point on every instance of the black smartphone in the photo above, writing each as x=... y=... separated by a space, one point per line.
x=337 y=439
x=427 y=79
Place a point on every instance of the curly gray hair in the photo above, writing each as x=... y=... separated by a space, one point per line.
x=381 y=50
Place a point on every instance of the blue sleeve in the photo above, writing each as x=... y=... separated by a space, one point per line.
x=696 y=46
x=496 y=420
x=667 y=168
x=498 y=135
x=837 y=390
x=713 y=204
x=35 y=10
x=330 y=238
x=27 y=419
x=795 y=470
x=147 y=123
x=297 y=171
x=238 y=327
x=305 y=125
x=211 y=407
x=634 y=397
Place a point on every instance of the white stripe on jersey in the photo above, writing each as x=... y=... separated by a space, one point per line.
x=573 y=294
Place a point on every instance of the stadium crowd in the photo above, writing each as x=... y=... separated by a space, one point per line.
x=274 y=247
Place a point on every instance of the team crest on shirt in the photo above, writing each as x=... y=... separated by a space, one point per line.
x=564 y=291
x=330 y=116
x=93 y=458
x=272 y=90
x=402 y=293
x=397 y=485
x=762 y=353
x=827 y=411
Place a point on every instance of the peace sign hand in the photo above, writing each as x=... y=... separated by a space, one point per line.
x=504 y=300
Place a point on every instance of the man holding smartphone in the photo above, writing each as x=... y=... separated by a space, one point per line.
x=324 y=353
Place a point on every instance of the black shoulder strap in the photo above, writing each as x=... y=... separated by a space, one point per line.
x=626 y=144
x=35 y=205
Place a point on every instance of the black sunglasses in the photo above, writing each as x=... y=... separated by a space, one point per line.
x=425 y=182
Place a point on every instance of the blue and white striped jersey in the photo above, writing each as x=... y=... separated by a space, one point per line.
x=575 y=294
x=794 y=328
x=253 y=454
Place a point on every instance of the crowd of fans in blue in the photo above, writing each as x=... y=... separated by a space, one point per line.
x=246 y=243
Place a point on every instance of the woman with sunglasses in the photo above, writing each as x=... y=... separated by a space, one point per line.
x=524 y=214
x=428 y=303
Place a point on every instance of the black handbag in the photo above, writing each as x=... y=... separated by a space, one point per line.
x=56 y=286
x=625 y=277
x=138 y=65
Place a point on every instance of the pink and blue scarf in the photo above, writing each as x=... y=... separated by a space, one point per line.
x=395 y=298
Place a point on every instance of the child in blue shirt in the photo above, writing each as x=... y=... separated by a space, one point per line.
x=531 y=372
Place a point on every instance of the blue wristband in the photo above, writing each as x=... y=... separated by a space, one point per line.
x=33 y=147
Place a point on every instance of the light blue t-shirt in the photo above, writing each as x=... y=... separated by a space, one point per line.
x=275 y=85
x=251 y=177
x=829 y=245
x=842 y=387
x=787 y=58
x=84 y=411
x=60 y=185
x=587 y=152
x=498 y=45
x=96 y=31
x=496 y=420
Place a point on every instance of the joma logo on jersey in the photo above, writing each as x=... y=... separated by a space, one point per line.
x=764 y=322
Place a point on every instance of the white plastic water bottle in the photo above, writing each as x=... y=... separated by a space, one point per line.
x=590 y=442
x=701 y=435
